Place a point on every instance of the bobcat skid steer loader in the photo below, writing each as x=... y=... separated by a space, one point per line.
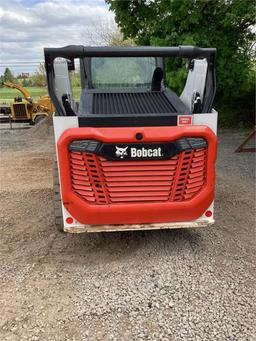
x=132 y=155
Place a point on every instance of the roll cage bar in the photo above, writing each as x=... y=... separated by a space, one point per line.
x=78 y=51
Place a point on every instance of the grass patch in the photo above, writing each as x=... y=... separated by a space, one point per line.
x=7 y=94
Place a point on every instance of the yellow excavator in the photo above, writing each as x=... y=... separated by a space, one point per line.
x=25 y=109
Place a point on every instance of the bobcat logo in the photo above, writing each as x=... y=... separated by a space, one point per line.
x=121 y=152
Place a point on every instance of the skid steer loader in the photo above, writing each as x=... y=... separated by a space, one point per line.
x=132 y=155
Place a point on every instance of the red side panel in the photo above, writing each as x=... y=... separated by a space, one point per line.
x=100 y=191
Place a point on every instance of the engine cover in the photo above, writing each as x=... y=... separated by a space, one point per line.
x=109 y=177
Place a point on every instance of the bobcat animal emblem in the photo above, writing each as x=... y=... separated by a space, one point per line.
x=121 y=152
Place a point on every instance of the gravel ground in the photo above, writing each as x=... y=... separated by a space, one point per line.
x=155 y=285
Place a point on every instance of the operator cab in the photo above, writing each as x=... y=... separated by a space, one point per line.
x=134 y=85
x=126 y=85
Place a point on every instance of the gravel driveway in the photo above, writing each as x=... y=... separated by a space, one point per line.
x=155 y=285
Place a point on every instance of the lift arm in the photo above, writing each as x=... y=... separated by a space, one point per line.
x=19 y=87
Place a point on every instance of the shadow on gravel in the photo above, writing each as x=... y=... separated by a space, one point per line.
x=102 y=248
x=31 y=235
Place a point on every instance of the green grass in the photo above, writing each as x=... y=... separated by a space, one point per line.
x=77 y=93
x=7 y=94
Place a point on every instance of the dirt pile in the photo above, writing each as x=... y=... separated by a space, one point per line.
x=42 y=130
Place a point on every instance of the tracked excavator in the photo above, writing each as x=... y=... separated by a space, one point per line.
x=25 y=109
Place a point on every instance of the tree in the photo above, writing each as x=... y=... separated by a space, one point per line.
x=224 y=24
x=110 y=35
x=8 y=76
x=118 y=39
x=26 y=82
x=39 y=78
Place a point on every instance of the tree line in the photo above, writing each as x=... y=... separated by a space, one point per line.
x=37 y=79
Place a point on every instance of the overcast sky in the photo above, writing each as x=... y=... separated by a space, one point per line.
x=27 y=26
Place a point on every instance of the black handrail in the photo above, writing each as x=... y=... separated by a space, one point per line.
x=79 y=51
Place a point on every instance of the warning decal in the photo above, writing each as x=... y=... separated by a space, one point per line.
x=184 y=120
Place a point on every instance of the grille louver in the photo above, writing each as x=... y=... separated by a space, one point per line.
x=100 y=181
x=20 y=110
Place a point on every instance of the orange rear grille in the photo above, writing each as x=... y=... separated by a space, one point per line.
x=101 y=181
